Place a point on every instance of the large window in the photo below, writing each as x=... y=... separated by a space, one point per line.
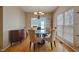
x=39 y=23
x=68 y=26
x=65 y=25
x=60 y=25
x=42 y=26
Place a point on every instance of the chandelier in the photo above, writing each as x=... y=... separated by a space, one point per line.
x=38 y=14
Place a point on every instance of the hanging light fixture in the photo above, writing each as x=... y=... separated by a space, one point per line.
x=35 y=13
x=38 y=14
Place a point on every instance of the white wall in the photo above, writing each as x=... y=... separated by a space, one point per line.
x=13 y=19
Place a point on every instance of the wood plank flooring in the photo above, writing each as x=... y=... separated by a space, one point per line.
x=24 y=47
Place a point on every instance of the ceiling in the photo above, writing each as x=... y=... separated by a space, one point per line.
x=45 y=9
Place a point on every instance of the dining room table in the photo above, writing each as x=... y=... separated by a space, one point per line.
x=41 y=33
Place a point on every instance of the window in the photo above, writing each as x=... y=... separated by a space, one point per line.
x=40 y=23
x=68 y=26
x=65 y=25
x=42 y=26
x=60 y=25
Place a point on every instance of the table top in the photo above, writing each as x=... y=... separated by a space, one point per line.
x=41 y=32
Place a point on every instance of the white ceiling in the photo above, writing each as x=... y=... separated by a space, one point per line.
x=38 y=8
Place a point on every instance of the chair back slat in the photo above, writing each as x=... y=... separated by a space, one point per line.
x=32 y=35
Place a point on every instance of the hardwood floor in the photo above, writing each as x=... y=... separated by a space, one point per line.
x=19 y=47
x=24 y=47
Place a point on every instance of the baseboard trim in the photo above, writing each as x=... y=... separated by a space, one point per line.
x=2 y=50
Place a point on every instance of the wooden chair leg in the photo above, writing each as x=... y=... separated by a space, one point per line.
x=30 y=46
x=11 y=43
x=34 y=46
x=51 y=45
x=54 y=43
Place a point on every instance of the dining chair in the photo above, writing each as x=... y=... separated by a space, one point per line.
x=54 y=36
x=33 y=38
x=50 y=38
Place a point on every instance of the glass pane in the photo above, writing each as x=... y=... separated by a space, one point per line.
x=68 y=33
x=60 y=25
x=42 y=25
x=39 y=22
x=60 y=19
x=60 y=31
x=68 y=26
